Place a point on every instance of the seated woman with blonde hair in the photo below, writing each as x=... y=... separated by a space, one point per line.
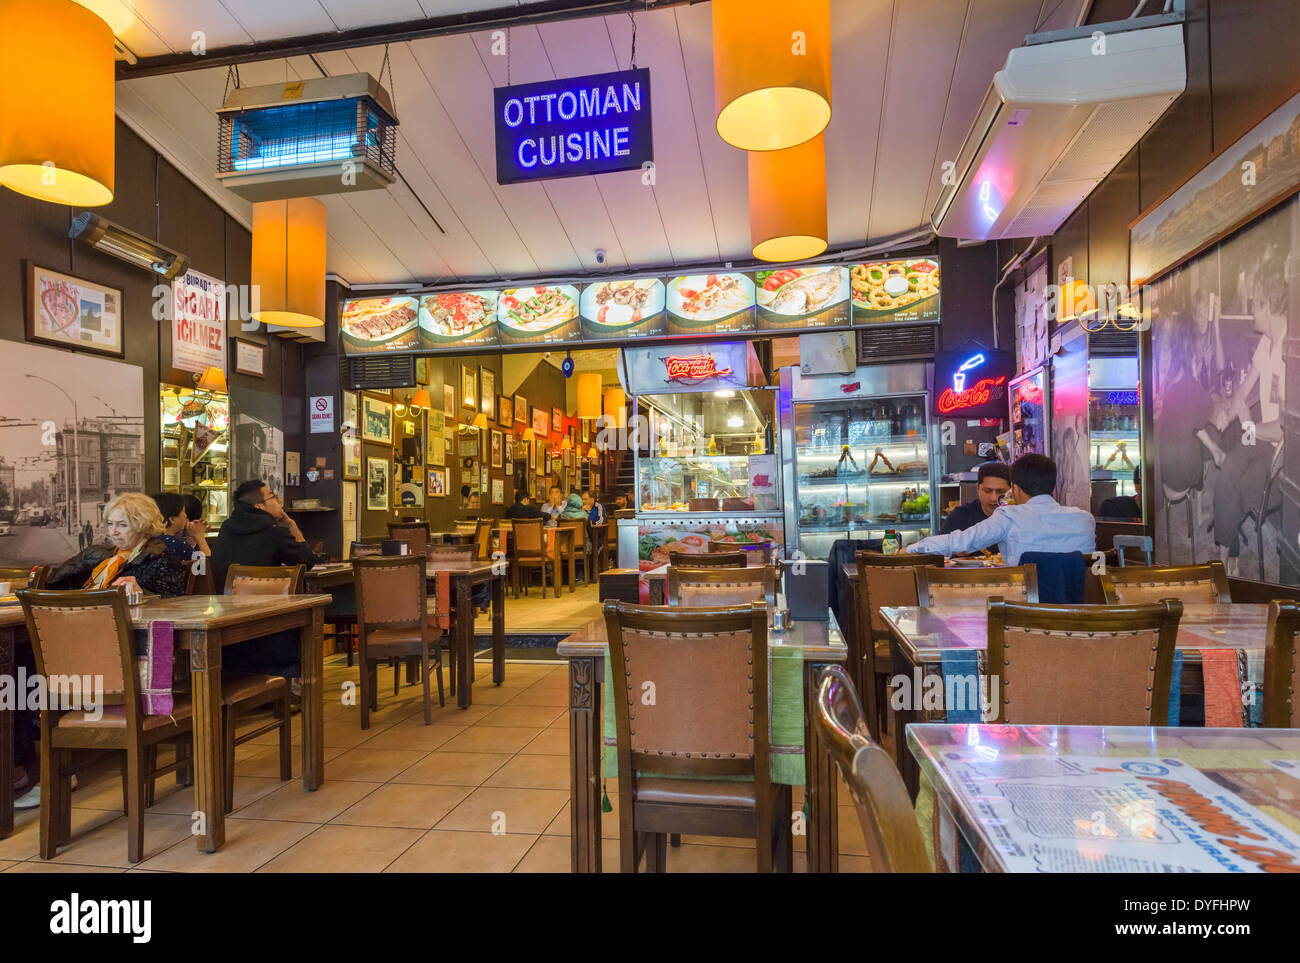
x=136 y=557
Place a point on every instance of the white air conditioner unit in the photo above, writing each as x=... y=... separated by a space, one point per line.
x=1055 y=122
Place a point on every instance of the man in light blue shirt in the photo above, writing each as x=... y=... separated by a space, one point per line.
x=1034 y=522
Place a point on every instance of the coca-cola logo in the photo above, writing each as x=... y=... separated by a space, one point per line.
x=693 y=366
x=972 y=397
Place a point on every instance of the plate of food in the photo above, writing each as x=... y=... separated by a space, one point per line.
x=538 y=314
x=624 y=309
x=462 y=317
x=806 y=297
x=715 y=302
x=905 y=290
x=380 y=324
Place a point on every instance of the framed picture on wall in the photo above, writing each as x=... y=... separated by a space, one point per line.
x=468 y=388
x=483 y=479
x=422 y=370
x=377 y=484
x=547 y=463
x=521 y=410
x=435 y=452
x=487 y=392
x=437 y=479
x=498 y=491
x=532 y=456
x=351 y=456
x=505 y=411
x=376 y=420
x=510 y=455
x=497 y=445
x=250 y=358
x=586 y=432
x=557 y=420
x=349 y=422
x=541 y=423
x=71 y=313
x=449 y=402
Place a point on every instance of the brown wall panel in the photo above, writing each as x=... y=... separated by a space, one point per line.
x=1113 y=206
x=1253 y=46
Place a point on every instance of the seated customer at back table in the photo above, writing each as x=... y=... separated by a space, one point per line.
x=1033 y=522
x=991 y=485
x=1125 y=506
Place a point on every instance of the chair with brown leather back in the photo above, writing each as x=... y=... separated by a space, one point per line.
x=87 y=635
x=24 y=577
x=761 y=548
x=610 y=549
x=974 y=586
x=393 y=625
x=414 y=534
x=1280 y=703
x=483 y=538
x=721 y=586
x=1191 y=584
x=696 y=758
x=580 y=552
x=534 y=550
x=1082 y=665
x=883 y=581
x=244 y=692
x=894 y=842
x=708 y=559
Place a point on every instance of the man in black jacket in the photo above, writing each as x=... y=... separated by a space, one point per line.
x=260 y=532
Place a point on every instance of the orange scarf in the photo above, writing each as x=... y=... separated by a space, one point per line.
x=106 y=571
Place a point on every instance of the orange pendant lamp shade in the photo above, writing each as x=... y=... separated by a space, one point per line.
x=615 y=407
x=56 y=102
x=588 y=396
x=771 y=71
x=787 y=202
x=289 y=262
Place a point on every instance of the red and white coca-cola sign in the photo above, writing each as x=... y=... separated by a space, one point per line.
x=694 y=367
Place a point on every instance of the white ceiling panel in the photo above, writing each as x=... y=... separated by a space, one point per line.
x=351 y=14
x=272 y=19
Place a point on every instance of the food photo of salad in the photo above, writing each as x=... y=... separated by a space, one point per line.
x=538 y=314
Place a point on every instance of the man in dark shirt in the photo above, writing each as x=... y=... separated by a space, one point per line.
x=1125 y=506
x=523 y=507
x=992 y=484
x=260 y=532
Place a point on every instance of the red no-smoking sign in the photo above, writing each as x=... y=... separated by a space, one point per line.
x=321 y=410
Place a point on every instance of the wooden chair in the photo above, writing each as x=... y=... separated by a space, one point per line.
x=1190 y=584
x=20 y=578
x=534 y=550
x=88 y=634
x=244 y=692
x=709 y=724
x=610 y=546
x=1280 y=703
x=721 y=586
x=708 y=559
x=1082 y=665
x=764 y=548
x=483 y=538
x=974 y=586
x=580 y=552
x=884 y=806
x=393 y=624
x=414 y=534
x=883 y=581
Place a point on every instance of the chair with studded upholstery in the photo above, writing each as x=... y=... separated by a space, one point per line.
x=414 y=534
x=974 y=586
x=1280 y=703
x=1190 y=584
x=721 y=586
x=696 y=759
x=708 y=559
x=761 y=548
x=87 y=634
x=1082 y=665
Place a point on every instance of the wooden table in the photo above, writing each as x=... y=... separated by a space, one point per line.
x=321 y=578
x=204 y=625
x=566 y=547
x=586 y=651
x=1111 y=799
x=465 y=576
x=920 y=636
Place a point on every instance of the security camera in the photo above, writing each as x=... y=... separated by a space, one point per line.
x=600 y=255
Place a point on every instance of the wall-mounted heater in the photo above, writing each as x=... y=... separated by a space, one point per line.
x=103 y=235
x=331 y=135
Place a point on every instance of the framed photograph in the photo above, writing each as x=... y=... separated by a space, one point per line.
x=422 y=370
x=547 y=463
x=532 y=456
x=510 y=455
x=498 y=491
x=71 y=313
x=487 y=392
x=541 y=423
x=557 y=420
x=250 y=358
x=377 y=484
x=437 y=479
x=349 y=422
x=521 y=410
x=351 y=456
x=449 y=402
x=434 y=451
x=376 y=420
x=468 y=388
x=483 y=479
x=498 y=443
x=505 y=411
x=483 y=438
x=586 y=432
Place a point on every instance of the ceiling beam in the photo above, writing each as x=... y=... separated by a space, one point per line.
x=538 y=11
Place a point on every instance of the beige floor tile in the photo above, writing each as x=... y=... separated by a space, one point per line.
x=406 y=736
x=522 y=716
x=344 y=849
x=509 y=739
x=451 y=769
x=854 y=864
x=560 y=825
x=561 y=722
x=372 y=765
x=6 y=864
x=249 y=844
x=266 y=764
x=490 y=809
x=550 y=854
x=404 y=806
x=551 y=742
x=487 y=694
x=532 y=772
x=461 y=852
x=541 y=695
x=105 y=845
x=42 y=866
x=294 y=804
x=25 y=841
x=710 y=859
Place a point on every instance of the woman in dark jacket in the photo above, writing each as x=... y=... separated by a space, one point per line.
x=136 y=556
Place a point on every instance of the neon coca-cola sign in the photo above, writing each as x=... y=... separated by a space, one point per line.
x=972 y=397
x=693 y=367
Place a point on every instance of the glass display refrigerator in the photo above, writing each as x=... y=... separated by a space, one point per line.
x=862 y=455
x=1114 y=426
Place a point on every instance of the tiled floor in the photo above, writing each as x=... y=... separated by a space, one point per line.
x=549 y=615
x=483 y=790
